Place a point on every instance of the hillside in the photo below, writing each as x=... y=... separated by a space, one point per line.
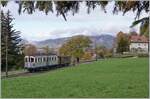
x=106 y=40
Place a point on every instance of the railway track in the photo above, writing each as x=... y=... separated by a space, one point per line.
x=26 y=73
x=20 y=74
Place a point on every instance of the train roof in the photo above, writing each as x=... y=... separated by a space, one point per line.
x=42 y=54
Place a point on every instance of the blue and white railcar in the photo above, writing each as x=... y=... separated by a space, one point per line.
x=40 y=61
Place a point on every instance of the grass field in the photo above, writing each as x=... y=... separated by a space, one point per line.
x=126 y=77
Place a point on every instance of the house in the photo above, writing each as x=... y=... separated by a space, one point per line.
x=139 y=44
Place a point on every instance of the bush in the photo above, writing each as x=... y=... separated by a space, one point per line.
x=87 y=56
x=123 y=56
x=100 y=54
x=108 y=55
x=143 y=55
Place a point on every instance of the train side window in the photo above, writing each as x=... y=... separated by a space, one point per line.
x=35 y=60
x=26 y=59
x=44 y=59
x=47 y=59
x=32 y=59
x=40 y=59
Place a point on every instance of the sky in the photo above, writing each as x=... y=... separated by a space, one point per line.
x=38 y=26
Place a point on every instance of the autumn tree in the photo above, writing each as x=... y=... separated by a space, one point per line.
x=75 y=47
x=133 y=33
x=87 y=56
x=122 y=42
x=100 y=51
x=30 y=50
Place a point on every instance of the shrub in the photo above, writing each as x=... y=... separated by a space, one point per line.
x=108 y=55
x=123 y=56
x=143 y=55
x=87 y=56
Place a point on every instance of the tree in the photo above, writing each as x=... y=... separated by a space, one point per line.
x=144 y=27
x=75 y=47
x=10 y=42
x=63 y=7
x=30 y=50
x=47 y=50
x=122 y=42
x=133 y=33
x=87 y=56
x=100 y=51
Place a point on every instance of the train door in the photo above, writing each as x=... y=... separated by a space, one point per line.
x=29 y=61
x=26 y=60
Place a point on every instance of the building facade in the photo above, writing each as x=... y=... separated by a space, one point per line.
x=139 y=44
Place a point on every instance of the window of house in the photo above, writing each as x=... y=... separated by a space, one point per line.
x=139 y=44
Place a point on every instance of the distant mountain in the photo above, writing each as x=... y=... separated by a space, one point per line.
x=106 y=40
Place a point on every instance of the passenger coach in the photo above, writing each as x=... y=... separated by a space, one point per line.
x=36 y=62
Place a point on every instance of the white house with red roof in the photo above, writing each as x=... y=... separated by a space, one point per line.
x=139 y=44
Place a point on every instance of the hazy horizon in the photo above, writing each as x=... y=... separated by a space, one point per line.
x=38 y=26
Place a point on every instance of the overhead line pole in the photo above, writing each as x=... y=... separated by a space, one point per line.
x=6 y=68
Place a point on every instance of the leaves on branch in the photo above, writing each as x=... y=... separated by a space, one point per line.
x=63 y=7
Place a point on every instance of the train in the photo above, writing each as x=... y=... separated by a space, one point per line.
x=45 y=61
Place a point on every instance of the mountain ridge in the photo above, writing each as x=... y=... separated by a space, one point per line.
x=104 y=39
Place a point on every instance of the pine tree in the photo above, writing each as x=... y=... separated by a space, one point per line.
x=10 y=41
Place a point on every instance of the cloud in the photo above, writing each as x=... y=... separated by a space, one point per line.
x=39 y=26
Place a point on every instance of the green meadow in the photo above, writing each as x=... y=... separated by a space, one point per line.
x=110 y=78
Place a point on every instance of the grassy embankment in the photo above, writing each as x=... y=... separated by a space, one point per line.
x=126 y=77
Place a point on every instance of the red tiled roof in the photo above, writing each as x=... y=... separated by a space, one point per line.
x=138 y=38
